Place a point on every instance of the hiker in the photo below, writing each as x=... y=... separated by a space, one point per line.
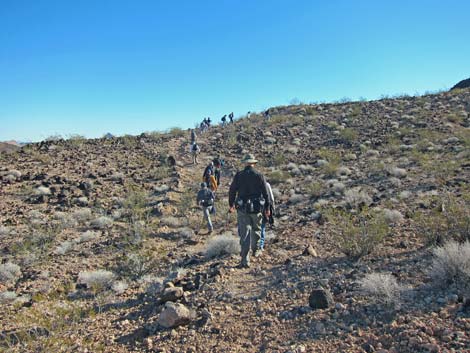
x=208 y=122
x=218 y=163
x=269 y=219
x=248 y=194
x=209 y=177
x=205 y=199
x=230 y=116
x=193 y=136
x=224 y=120
x=266 y=114
x=195 y=151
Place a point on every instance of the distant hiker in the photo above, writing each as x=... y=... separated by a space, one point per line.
x=209 y=177
x=195 y=151
x=224 y=120
x=266 y=114
x=205 y=199
x=248 y=194
x=218 y=164
x=230 y=116
x=208 y=121
x=193 y=136
x=269 y=219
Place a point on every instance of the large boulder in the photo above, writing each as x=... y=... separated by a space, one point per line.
x=175 y=314
x=320 y=298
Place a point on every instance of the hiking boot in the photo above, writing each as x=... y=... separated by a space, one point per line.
x=243 y=265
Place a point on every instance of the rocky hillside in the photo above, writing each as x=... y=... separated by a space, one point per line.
x=104 y=250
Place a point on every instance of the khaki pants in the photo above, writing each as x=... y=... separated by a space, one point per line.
x=249 y=231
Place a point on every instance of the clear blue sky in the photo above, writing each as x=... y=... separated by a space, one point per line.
x=95 y=66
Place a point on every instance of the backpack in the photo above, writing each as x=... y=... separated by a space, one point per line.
x=195 y=147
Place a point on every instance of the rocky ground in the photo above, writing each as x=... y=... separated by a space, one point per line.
x=104 y=249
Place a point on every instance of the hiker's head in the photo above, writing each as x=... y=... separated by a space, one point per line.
x=249 y=159
x=203 y=185
x=216 y=162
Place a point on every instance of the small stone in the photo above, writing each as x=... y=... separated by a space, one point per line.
x=310 y=250
x=171 y=294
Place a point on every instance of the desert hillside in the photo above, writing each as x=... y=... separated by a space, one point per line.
x=103 y=248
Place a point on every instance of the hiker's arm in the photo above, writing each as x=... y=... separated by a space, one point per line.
x=233 y=192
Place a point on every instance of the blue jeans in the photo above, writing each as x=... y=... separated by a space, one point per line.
x=263 y=234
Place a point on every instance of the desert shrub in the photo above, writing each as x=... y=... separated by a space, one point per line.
x=65 y=220
x=448 y=219
x=277 y=177
x=82 y=214
x=451 y=265
x=393 y=216
x=224 y=244
x=357 y=235
x=9 y=272
x=119 y=287
x=397 y=172
x=349 y=135
x=176 y=132
x=97 y=281
x=63 y=248
x=138 y=264
x=357 y=198
x=135 y=205
x=315 y=189
x=381 y=287
x=102 y=222
x=161 y=172
x=7 y=297
x=171 y=221
x=4 y=231
x=153 y=285
x=87 y=236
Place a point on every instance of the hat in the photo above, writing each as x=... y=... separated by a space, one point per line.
x=249 y=159
x=203 y=185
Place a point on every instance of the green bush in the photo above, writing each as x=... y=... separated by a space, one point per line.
x=277 y=177
x=357 y=235
x=448 y=219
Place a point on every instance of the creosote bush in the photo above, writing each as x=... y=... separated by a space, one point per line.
x=357 y=235
x=97 y=281
x=448 y=219
x=9 y=272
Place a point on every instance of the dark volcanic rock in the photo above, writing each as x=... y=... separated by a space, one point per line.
x=320 y=298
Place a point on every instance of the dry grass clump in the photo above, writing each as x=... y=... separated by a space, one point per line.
x=381 y=287
x=42 y=191
x=7 y=297
x=357 y=235
x=63 y=248
x=97 y=281
x=9 y=272
x=82 y=214
x=102 y=222
x=171 y=221
x=357 y=198
x=224 y=244
x=451 y=264
x=87 y=236
x=393 y=217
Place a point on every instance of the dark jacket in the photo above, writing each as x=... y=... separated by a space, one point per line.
x=206 y=196
x=248 y=184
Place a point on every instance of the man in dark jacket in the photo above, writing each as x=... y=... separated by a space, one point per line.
x=248 y=194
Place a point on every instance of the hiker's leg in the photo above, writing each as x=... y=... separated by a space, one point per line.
x=207 y=217
x=256 y=220
x=244 y=230
x=263 y=234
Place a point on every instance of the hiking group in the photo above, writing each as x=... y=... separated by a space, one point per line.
x=250 y=195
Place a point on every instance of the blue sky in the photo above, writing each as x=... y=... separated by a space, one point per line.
x=94 y=66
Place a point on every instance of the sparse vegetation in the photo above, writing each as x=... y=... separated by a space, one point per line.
x=224 y=244
x=382 y=288
x=357 y=235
